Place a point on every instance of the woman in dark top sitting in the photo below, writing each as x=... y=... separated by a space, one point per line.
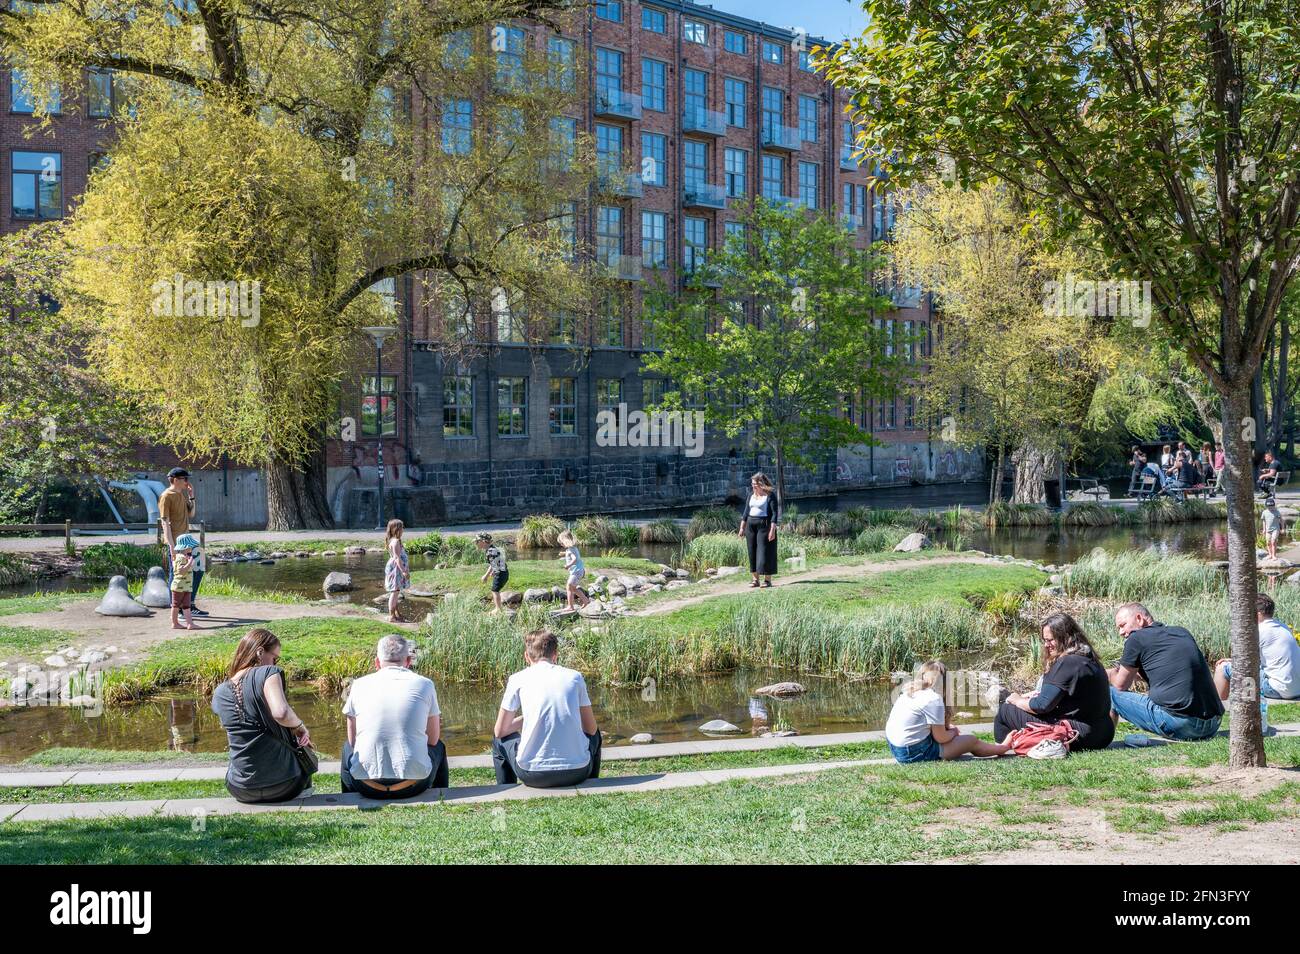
x=758 y=528
x=261 y=725
x=1074 y=689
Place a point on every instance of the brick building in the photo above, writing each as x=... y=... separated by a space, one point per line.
x=692 y=110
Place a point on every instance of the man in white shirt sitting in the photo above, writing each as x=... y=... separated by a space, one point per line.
x=394 y=747
x=1279 y=657
x=546 y=734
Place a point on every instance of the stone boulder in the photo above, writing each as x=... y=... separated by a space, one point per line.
x=155 y=592
x=658 y=579
x=94 y=656
x=594 y=610
x=728 y=571
x=336 y=582
x=912 y=543
x=780 y=689
x=617 y=589
x=677 y=584
x=56 y=661
x=537 y=595
x=718 y=725
x=355 y=551
x=682 y=574
x=642 y=738
x=511 y=598
x=117 y=601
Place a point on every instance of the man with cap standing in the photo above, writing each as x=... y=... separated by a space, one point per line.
x=175 y=507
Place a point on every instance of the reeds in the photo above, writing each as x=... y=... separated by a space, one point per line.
x=103 y=560
x=1139 y=576
x=601 y=531
x=665 y=531
x=712 y=520
x=538 y=531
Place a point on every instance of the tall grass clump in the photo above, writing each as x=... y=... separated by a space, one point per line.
x=1091 y=514
x=601 y=531
x=906 y=517
x=1131 y=576
x=712 y=520
x=14 y=571
x=451 y=550
x=662 y=531
x=879 y=539
x=1004 y=514
x=957 y=519
x=538 y=531
x=103 y=560
x=461 y=643
x=728 y=549
x=821 y=523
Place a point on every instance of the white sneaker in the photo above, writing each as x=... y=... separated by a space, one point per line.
x=1049 y=749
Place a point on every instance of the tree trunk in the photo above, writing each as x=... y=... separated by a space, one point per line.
x=779 y=457
x=295 y=494
x=1034 y=467
x=1246 y=745
x=995 y=481
x=1281 y=400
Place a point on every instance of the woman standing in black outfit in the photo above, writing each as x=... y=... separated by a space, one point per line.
x=758 y=528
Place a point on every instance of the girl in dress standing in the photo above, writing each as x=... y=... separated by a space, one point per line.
x=397 y=571
x=758 y=528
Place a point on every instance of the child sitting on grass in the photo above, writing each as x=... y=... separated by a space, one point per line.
x=183 y=583
x=577 y=570
x=918 y=729
x=497 y=569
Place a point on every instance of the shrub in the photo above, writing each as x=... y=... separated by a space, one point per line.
x=451 y=550
x=538 y=531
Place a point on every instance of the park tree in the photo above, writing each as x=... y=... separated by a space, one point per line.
x=57 y=417
x=1171 y=128
x=277 y=170
x=1008 y=373
x=772 y=334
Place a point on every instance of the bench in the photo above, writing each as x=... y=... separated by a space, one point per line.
x=1143 y=485
x=1269 y=485
x=1088 y=485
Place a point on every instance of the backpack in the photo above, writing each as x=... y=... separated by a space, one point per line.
x=1025 y=741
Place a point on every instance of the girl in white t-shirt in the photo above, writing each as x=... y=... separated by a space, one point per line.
x=918 y=729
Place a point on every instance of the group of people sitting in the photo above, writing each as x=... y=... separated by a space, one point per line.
x=545 y=734
x=1183 y=701
x=1179 y=470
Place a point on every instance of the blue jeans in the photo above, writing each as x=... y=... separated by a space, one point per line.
x=1266 y=689
x=1137 y=708
x=927 y=750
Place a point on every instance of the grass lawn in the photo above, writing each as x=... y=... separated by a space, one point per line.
x=885 y=813
x=32 y=641
x=524 y=574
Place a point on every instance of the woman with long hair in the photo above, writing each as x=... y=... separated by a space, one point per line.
x=920 y=725
x=262 y=728
x=758 y=520
x=1074 y=688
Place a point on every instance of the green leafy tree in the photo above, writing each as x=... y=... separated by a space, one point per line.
x=773 y=332
x=1170 y=128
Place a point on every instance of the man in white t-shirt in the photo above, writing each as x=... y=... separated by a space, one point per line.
x=546 y=734
x=1279 y=657
x=394 y=747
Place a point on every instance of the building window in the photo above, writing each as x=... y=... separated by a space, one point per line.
x=609 y=395
x=695 y=234
x=653 y=391
x=773 y=52
x=653 y=20
x=695 y=163
x=695 y=85
x=694 y=31
x=734 y=232
x=734 y=42
x=609 y=74
x=808 y=185
x=610 y=332
x=512 y=407
x=459 y=48
x=808 y=130
x=563 y=412
x=509 y=44
x=909 y=414
x=21 y=99
x=387 y=404
x=37 y=185
x=654 y=85
x=609 y=149
x=565 y=222
x=564 y=138
x=610 y=10
x=886 y=415
x=654 y=158
x=736 y=169
x=609 y=234
x=560 y=62
x=773 y=177
x=564 y=328
x=806 y=61
x=773 y=111
x=736 y=93
x=99 y=91
x=457 y=405
x=457 y=126
x=654 y=239
x=511 y=315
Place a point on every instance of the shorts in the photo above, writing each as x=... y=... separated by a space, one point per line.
x=927 y=750
x=575 y=576
x=181 y=600
x=499 y=580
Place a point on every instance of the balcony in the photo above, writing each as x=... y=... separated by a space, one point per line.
x=704 y=195
x=847 y=161
x=627 y=185
x=784 y=138
x=626 y=268
x=617 y=104
x=704 y=122
x=788 y=202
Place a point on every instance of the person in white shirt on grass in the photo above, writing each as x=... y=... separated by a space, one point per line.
x=918 y=729
x=394 y=747
x=1279 y=657
x=546 y=735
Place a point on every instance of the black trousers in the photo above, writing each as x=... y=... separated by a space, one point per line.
x=762 y=552
x=271 y=793
x=505 y=760
x=438 y=778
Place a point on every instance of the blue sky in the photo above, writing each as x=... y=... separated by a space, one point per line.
x=832 y=19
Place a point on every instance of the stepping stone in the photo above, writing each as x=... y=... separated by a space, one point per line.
x=336 y=582
x=718 y=725
x=781 y=689
x=117 y=601
x=155 y=592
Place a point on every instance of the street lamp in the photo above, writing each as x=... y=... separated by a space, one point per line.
x=379 y=334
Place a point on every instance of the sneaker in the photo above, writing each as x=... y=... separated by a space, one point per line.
x=198 y=612
x=1049 y=749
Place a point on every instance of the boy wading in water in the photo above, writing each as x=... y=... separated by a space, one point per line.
x=577 y=570
x=182 y=585
x=496 y=568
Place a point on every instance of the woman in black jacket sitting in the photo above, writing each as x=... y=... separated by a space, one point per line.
x=758 y=528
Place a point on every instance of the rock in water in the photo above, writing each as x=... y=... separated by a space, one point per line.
x=336 y=582
x=642 y=738
x=718 y=725
x=781 y=689
x=912 y=543
x=117 y=601
x=155 y=592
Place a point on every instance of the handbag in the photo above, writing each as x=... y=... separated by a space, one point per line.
x=1023 y=741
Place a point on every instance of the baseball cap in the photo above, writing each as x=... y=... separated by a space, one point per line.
x=177 y=472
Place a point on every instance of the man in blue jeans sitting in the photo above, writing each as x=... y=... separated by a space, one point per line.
x=1181 y=702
